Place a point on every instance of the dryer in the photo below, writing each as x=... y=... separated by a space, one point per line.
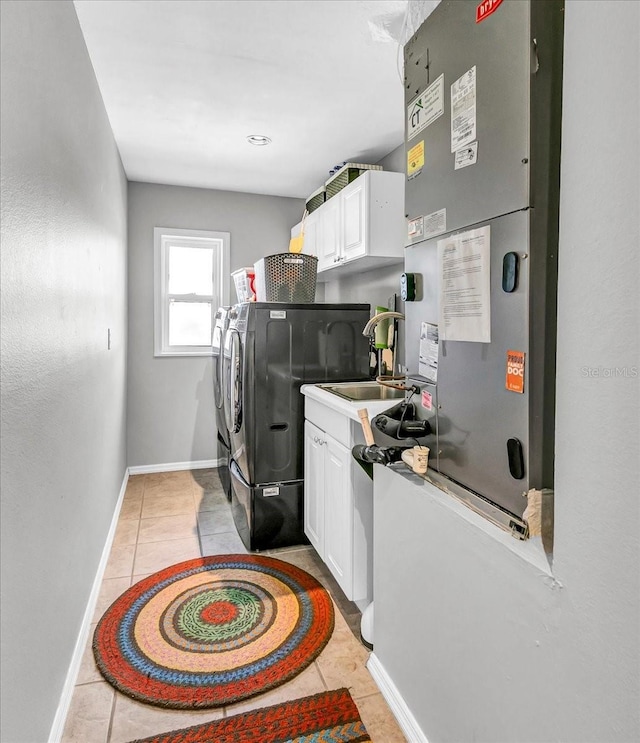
x=221 y=323
x=270 y=351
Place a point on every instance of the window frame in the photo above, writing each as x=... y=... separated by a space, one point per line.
x=163 y=239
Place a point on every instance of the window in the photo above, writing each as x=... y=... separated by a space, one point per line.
x=191 y=282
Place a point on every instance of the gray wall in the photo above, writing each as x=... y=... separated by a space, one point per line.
x=170 y=400
x=63 y=392
x=493 y=649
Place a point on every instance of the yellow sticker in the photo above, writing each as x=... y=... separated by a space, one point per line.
x=415 y=158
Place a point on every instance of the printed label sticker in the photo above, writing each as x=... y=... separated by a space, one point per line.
x=435 y=223
x=426 y=400
x=466 y=156
x=278 y=314
x=415 y=158
x=429 y=352
x=425 y=108
x=463 y=110
x=415 y=227
x=515 y=371
x=268 y=492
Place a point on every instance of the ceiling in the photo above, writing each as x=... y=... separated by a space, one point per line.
x=185 y=82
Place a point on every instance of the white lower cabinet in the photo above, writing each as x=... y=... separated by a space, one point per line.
x=314 y=486
x=338 y=514
x=338 y=509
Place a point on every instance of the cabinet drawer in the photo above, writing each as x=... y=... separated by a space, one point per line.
x=335 y=423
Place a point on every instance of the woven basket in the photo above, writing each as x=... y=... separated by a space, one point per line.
x=347 y=173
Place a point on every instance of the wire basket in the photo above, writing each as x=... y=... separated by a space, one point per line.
x=286 y=277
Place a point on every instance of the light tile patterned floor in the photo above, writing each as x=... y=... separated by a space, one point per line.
x=173 y=516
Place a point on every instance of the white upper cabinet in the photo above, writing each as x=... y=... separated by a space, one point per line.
x=310 y=244
x=354 y=220
x=360 y=228
x=329 y=238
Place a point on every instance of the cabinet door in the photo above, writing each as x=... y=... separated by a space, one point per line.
x=314 y=486
x=338 y=542
x=311 y=228
x=329 y=238
x=354 y=219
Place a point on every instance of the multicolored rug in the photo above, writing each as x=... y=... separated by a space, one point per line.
x=322 y=718
x=212 y=631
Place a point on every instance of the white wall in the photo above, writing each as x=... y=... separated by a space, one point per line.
x=63 y=393
x=171 y=411
x=493 y=648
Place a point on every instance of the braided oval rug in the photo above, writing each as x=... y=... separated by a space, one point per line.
x=328 y=717
x=212 y=631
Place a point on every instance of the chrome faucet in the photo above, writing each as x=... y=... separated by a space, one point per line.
x=370 y=326
x=386 y=380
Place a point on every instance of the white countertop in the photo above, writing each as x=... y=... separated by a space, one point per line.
x=346 y=407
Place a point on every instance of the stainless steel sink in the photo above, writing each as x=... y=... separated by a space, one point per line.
x=363 y=391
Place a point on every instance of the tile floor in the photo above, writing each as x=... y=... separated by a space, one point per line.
x=173 y=516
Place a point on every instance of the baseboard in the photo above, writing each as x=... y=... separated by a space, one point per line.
x=60 y=718
x=398 y=706
x=147 y=469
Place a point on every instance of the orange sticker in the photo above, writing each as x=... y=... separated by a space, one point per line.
x=515 y=371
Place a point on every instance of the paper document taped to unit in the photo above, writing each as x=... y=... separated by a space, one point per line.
x=465 y=302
